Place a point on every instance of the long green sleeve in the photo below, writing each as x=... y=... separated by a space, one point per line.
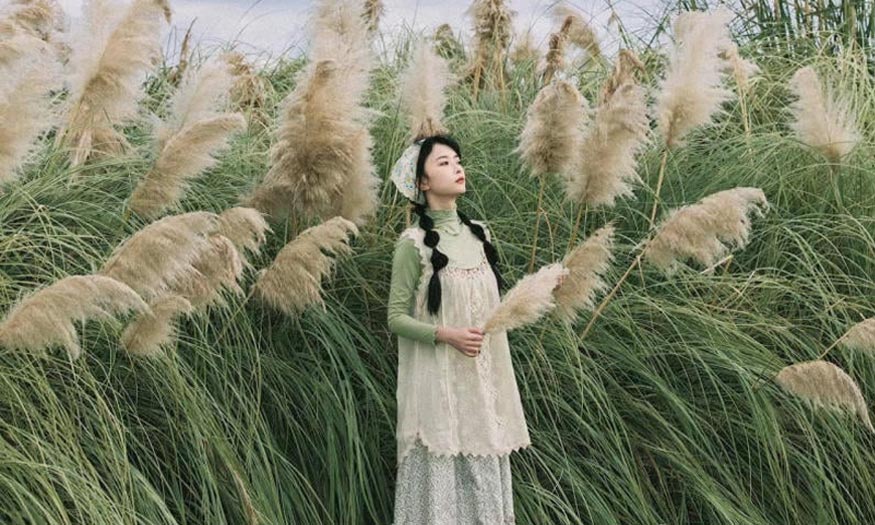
x=406 y=271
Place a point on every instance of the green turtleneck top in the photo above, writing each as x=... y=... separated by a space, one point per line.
x=460 y=245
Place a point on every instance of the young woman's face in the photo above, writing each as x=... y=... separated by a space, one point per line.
x=444 y=176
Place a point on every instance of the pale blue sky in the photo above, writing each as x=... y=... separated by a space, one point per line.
x=275 y=26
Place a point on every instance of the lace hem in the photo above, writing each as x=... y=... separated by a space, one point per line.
x=432 y=449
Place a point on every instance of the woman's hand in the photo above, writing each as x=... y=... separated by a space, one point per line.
x=466 y=339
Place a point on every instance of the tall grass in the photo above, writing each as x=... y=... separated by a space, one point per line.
x=654 y=419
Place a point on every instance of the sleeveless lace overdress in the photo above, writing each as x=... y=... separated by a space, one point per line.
x=459 y=417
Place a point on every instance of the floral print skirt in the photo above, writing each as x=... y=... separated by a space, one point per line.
x=453 y=490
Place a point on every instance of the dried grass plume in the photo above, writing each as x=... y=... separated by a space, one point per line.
x=109 y=59
x=320 y=162
x=423 y=85
x=245 y=227
x=25 y=108
x=154 y=258
x=586 y=265
x=822 y=120
x=825 y=385
x=293 y=281
x=861 y=336
x=706 y=230
x=151 y=331
x=529 y=299
x=692 y=90
x=44 y=318
x=607 y=167
x=187 y=143
x=217 y=268
x=551 y=139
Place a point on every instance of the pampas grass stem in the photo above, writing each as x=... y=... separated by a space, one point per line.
x=662 y=164
x=537 y=224
x=610 y=295
x=581 y=212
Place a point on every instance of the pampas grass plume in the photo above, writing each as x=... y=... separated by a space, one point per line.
x=586 y=265
x=552 y=135
x=45 y=318
x=822 y=120
x=188 y=141
x=218 y=267
x=109 y=59
x=25 y=110
x=150 y=331
x=245 y=227
x=607 y=166
x=691 y=92
x=578 y=31
x=861 y=336
x=705 y=230
x=294 y=280
x=154 y=258
x=825 y=385
x=529 y=299
x=423 y=86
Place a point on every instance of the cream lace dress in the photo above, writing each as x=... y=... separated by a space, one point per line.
x=459 y=417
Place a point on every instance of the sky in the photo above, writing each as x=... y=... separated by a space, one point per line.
x=267 y=28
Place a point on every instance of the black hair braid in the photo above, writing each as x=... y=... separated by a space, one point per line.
x=488 y=248
x=438 y=259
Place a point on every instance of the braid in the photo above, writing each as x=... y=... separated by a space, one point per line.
x=488 y=248
x=438 y=260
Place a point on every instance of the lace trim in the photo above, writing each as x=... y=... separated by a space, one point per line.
x=466 y=273
x=445 y=453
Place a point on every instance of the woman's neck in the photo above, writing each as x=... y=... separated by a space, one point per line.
x=447 y=219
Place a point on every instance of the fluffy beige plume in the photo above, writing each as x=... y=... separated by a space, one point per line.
x=623 y=73
x=551 y=138
x=826 y=386
x=249 y=90
x=692 y=90
x=742 y=69
x=340 y=33
x=554 y=60
x=529 y=299
x=447 y=46
x=25 y=109
x=44 y=318
x=189 y=140
x=586 y=264
x=109 y=59
x=704 y=230
x=157 y=256
x=423 y=85
x=42 y=17
x=245 y=227
x=26 y=25
x=294 y=280
x=150 y=331
x=607 y=167
x=492 y=22
x=578 y=31
x=217 y=268
x=374 y=9
x=861 y=336
x=822 y=120
x=321 y=157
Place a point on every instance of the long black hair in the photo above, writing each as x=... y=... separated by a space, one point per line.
x=438 y=259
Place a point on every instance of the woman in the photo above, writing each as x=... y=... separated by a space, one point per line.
x=459 y=410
